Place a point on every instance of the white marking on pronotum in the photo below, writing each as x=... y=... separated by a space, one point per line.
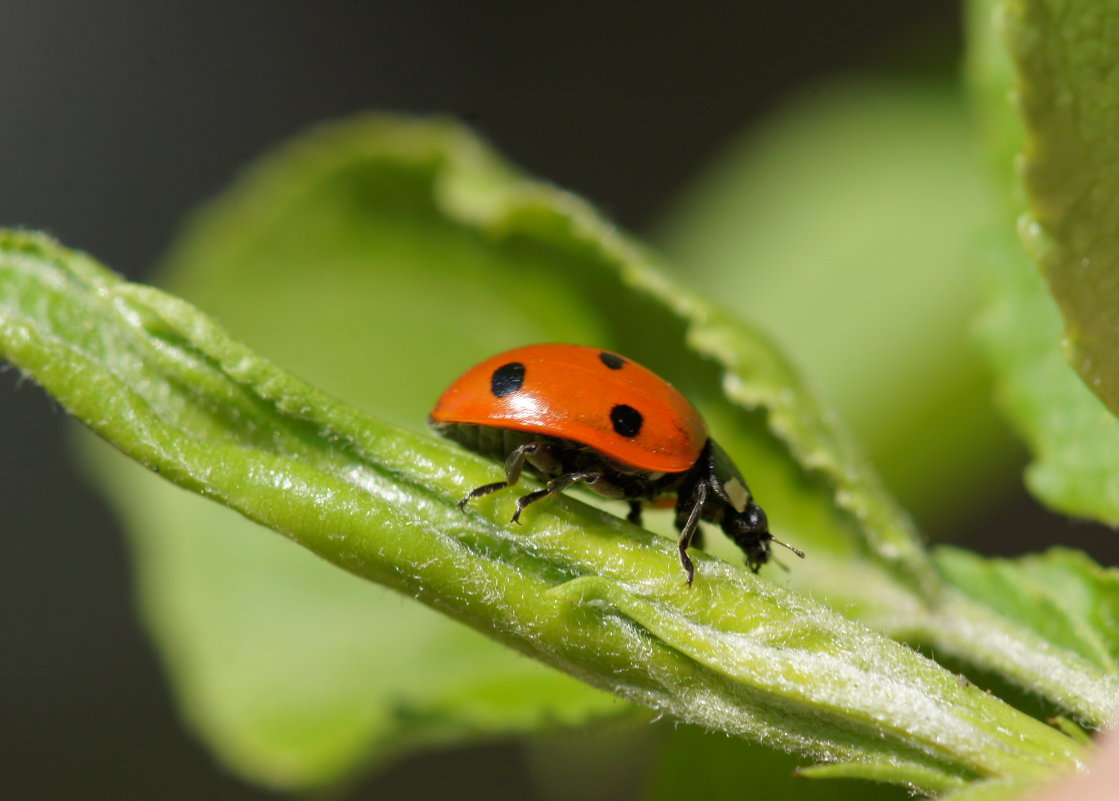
x=738 y=494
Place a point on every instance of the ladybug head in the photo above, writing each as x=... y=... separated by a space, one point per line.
x=750 y=531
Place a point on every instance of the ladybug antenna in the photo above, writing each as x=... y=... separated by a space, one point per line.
x=795 y=550
x=777 y=561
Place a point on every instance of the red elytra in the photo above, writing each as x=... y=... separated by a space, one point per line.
x=581 y=394
x=575 y=414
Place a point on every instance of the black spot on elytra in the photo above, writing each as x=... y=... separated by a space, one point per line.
x=611 y=360
x=627 y=420
x=507 y=378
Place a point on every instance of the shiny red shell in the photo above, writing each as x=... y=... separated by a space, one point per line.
x=587 y=395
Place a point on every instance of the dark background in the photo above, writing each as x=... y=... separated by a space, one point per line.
x=119 y=116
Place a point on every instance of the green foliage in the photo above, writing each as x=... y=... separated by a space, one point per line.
x=719 y=768
x=378 y=257
x=1066 y=91
x=1073 y=437
x=1063 y=595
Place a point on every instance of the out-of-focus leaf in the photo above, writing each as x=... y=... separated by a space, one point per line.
x=1068 y=96
x=1073 y=437
x=844 y=226
x=708 y=765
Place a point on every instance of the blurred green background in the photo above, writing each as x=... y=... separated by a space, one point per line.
x=810 y=165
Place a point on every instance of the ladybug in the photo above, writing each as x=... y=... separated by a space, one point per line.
x=572 y=414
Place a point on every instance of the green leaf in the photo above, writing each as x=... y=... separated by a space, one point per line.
x=299 y=673
x=1069 y=101
x=995 y=790
x=575 y=588
x=1072 y=435
x=844 y=225
x=711 y=766
x=1062 y=595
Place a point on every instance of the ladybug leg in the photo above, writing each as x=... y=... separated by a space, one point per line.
x=689 y=527
x=514 y=464
x=557 y=484
x=634 y=515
